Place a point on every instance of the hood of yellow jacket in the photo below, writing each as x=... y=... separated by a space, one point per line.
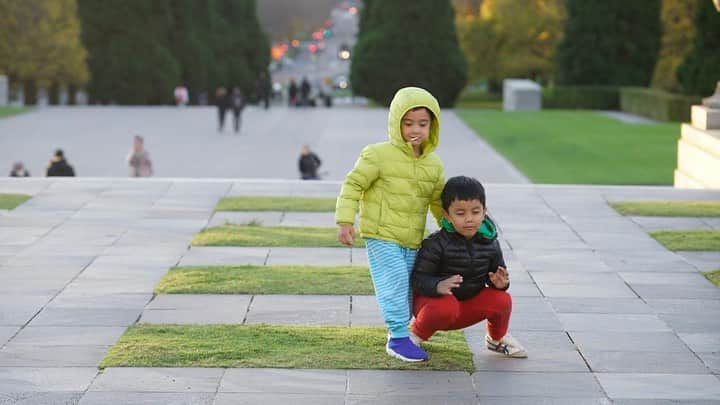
x=405 y=100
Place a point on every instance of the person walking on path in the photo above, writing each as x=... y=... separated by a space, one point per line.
x=19 y=170
x=264 y=89
x=139 y=159
x=305 y=92
x=460 y=276
x=221 y=100
x=309 y=164
x=292 y=93
x=59 y=167
x=237 y=102
x=393 y=184
x=181 y=95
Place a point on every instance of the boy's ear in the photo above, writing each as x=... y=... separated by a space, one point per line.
x=446 y=214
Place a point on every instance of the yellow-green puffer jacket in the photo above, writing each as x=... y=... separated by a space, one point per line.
x=392 y=187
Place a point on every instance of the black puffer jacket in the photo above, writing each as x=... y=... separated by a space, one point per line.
x=446 y=253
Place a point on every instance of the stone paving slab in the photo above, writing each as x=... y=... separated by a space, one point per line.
x=224 y=256
x=702 y=342
x=28 y=379
x=197 y=309
x=607 y=341
x=85 y=317
x=255 y=380
x=40 y=398
x=546 y=384
x=660 y=386
x=6 y=332
x=147 y=398
x=158 y=379
x=651 y=224
x=69 y=335
x=283 y=256
x=22 y=355
x=300 y=310
x=703 y=261
x=612 y=322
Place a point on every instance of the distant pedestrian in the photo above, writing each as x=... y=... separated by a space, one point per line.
x=309 y=163
x=59 y=167
x=139 y=159
x=237 y=102
x=222 y=105
x=292 y=93
x=305 y=92
x=181 y=95
x=264 y=89
x=19 y=170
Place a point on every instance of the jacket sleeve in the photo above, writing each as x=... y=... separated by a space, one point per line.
x=500 y=263
x=435 y=202
x=425 y=275
x=360 y=178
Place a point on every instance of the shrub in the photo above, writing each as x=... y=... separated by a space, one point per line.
x=657 y=104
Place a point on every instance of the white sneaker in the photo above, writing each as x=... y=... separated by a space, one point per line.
x=416 y=339
x=508 y=346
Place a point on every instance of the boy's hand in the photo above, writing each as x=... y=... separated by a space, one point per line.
x=445 y=287
x=500 y=279
x=346 y=234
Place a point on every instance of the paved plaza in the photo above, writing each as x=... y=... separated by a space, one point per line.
x=607 y=314
x=184 y=142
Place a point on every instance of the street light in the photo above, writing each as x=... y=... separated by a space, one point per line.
x=714 y=100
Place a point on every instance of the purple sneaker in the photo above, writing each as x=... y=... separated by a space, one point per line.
x=405 y=350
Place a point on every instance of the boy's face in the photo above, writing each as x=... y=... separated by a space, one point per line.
x=466 y=216
x=415 y=126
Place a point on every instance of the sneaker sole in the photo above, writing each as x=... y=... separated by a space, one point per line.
x=401 y=357
x=496 y=348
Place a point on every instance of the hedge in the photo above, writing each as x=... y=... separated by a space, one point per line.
x=657 y=104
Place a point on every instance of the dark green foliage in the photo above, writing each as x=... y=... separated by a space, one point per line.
x=701 y=68
x=140 y=50
x=581 y=97
x=609 y=42
x=657 y=104
x=408 y=44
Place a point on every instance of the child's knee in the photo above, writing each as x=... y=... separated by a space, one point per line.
x=445 y=309
x=503 y=301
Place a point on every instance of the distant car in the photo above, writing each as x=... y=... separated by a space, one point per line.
x=344 y=52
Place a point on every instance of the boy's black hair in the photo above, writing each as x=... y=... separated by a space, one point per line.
x=462 y=188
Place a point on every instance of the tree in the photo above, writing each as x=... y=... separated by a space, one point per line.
x=609 y=42
x=129 y=59
x=507 y=38
x=700 y=70
x=41 y=43
x=677 y=39
x=412 y=44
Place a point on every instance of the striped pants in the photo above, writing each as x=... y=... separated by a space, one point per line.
x=390 y=267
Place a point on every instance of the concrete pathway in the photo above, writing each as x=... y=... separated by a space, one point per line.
x=184 y=142
x=607 y=314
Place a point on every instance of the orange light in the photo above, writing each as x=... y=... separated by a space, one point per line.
x=295 y=43
x=353 y=10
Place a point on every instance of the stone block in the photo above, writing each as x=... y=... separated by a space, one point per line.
x=521 y=95
x=4 y=91
x=705 y=118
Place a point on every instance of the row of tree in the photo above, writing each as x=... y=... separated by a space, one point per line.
x=673 y=44
x=133 y=51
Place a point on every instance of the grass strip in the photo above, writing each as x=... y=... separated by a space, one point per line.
x=10 y=111
x=295 y=280
x=275 y=346
x=10 y=201
x=713 y=276
x=297 y=204
x=579 y=147
x=668 y=208
x=273 y=236
x=695 y=240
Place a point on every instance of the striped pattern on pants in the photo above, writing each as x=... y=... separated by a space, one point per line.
x=390 y=267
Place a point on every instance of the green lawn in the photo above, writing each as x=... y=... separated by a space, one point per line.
x=669 y=208
x=274 y=236
x=579 y=147
x=296 y=280
x=689 y=240
x=298 y=204
x=9 y=111
x=10 y=201
x=271 y=346
x=713 y=276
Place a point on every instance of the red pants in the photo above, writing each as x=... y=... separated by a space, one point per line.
x=447 y=313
